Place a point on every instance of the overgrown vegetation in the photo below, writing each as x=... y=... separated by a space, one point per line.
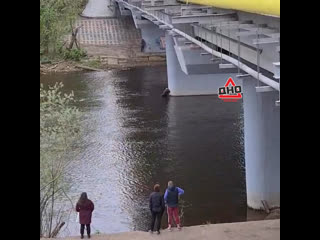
x=95 y=63
x=74 y=54
x=57 y=18
x=59 y=128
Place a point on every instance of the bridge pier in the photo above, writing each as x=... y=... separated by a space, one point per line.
x=262 y=145
x=151 y=34
x=182 y=84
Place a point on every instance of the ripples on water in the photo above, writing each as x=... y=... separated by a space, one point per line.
x=133 y=139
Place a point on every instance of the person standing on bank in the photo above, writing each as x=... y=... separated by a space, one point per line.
x=85 y=208
x=156 y=205
x=171 y=198
x=143 y=44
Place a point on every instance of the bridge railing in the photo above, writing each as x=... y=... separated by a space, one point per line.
x=134 y=3
x=162 y=16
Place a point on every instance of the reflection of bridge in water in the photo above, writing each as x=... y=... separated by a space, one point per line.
x=205 y=46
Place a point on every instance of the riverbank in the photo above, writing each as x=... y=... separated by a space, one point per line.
x=257 y=215
x=262 y=230
x=104 y=58
x=103 y=63
x=110 y=43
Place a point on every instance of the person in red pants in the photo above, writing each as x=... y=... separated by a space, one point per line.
x=171 y=198
x=85 y=208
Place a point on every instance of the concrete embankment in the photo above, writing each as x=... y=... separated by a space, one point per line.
x=111 y=43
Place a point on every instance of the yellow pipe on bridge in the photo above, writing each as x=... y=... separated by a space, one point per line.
x=265 y=7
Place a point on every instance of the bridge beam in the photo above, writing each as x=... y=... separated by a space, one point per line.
x=186 y=81
x=203 y=18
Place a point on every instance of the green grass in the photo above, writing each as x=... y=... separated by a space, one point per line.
x=96 y=63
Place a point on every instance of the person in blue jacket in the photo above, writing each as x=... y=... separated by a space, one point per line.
x=171 y=199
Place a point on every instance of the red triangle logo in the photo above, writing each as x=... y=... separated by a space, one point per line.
x=237 y=96
x=230 y=81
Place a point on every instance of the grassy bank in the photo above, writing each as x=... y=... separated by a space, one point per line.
x=101 y=63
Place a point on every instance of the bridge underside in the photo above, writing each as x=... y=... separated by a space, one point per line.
x=204 y=47
x=247 y=42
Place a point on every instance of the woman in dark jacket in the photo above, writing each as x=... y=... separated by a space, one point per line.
x=85 y=208
x=156 y=205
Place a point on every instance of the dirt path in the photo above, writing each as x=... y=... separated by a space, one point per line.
x=98 y=8
x=262 y=230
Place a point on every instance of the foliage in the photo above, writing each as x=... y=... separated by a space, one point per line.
x=74 y=54
x=56 y=20
x=96 y=63
x=59 y=128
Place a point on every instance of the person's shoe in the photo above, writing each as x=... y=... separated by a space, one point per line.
x=150 y=231
x=179 y=227
x=89 y=236
x=158 y=232
x=169 y=228
x=81 y=236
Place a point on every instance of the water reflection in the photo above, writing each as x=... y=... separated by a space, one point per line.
x=134 y=138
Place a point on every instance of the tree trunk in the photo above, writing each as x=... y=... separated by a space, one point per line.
x=74 y=39
x=57 y=230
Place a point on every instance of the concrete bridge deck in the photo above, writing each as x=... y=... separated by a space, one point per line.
x=262 y=230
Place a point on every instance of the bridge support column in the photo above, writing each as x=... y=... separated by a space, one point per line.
x=262 y=146
x=151 y=34
x=181 y=84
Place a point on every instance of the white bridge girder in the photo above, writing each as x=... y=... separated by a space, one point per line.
x=259 y=44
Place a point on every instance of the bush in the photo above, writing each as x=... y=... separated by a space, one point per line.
x=59 y=129
x=74 y=54
x=56 y=20
x=44 y=60
x=94 y=63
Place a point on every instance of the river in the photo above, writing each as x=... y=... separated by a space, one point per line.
x=134 y=138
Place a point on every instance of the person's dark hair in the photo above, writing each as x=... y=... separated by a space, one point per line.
x=156 y=188
x=83 y=198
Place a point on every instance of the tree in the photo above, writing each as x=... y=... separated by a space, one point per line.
x=59 y=128
x=56 y=19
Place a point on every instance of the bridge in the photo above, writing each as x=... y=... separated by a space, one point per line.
x=206 y=43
